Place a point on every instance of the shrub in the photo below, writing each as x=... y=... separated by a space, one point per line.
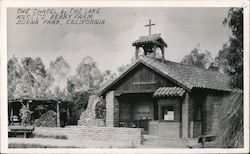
x=230 y=134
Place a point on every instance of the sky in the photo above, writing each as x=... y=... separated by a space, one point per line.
x=110 y=44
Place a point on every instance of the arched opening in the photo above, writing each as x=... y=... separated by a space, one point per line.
x=100 y=110
x=140 y=52
x=158 y=53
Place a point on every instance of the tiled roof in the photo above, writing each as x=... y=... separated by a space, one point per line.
x=156 y=38
x=185 y=76
x=190 y=76
x=169 y=91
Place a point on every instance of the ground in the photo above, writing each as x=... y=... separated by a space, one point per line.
x=149 y=142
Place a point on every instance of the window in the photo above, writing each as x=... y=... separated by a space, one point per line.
x=168 y=113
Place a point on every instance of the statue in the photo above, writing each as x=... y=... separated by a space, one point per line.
x=25 y=115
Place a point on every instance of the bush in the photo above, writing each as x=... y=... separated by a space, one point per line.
x=230 y=134
x=78 y=103
x=100 y=110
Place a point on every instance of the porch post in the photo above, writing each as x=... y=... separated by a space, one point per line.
x=11 y=113
x=67 y=113
x=136 y=52
x=58 y=113
x=185 y=116
x=112 y=110
x=28 y=104
x=154 y=50
x=159 y=111
x=162 y=52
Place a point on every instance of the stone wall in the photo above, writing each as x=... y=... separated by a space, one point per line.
x=129 y=136
x=210 y=113
x=88 y=117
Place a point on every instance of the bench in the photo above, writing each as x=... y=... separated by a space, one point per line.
x=204 y=141
x=13 y=130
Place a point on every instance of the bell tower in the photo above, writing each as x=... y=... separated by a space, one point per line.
x=150 y=43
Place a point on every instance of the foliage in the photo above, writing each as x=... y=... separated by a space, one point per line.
x=87 y=77
x=234 y=21
x=108 y=77
x=25 y=114
x=230 y=134
x=63 y=137
x=47 y=119
x=31 y=79
x=78 y=102
x=60 y=70
x=14 y=74
x=100 y=110
x=123 y=68
x=198 y=58
x=34 y=66
x=28 y=79
x=230 y=57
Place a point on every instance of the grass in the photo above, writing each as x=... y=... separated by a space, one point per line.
x=230 y=134
x=50 y=136
x=15 y=145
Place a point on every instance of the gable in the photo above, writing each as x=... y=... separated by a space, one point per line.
x=141 y=79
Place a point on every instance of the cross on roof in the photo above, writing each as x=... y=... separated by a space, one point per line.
x=149 y=25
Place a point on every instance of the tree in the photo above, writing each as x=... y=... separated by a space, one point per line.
x=123 y=68
x=87 y=76
x=15 y=72
x=24 y=86
x=34 y=66
x=85 y=82
x=34 y=81
x=78 y=103
x=108 y=76
x=230 y=57
x=198 y=58
x=60 y=70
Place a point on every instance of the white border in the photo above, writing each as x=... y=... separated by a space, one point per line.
x=64 y=3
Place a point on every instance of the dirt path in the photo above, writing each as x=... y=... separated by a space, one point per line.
x=149 y=142
x=62 y=143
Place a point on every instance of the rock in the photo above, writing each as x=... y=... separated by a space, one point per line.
x=47 y=119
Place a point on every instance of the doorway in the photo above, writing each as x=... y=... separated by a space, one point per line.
x=137 y=110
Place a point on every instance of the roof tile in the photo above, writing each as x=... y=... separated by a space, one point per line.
x=186 y=76
x=149 y=39
x=169 y=91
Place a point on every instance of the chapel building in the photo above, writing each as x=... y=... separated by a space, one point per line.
x=164 y=98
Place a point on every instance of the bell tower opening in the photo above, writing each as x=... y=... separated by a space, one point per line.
x=149 y=44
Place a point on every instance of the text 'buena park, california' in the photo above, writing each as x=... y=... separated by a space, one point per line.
x=59 y=16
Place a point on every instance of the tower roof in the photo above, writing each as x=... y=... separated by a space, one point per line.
x=155 y=39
